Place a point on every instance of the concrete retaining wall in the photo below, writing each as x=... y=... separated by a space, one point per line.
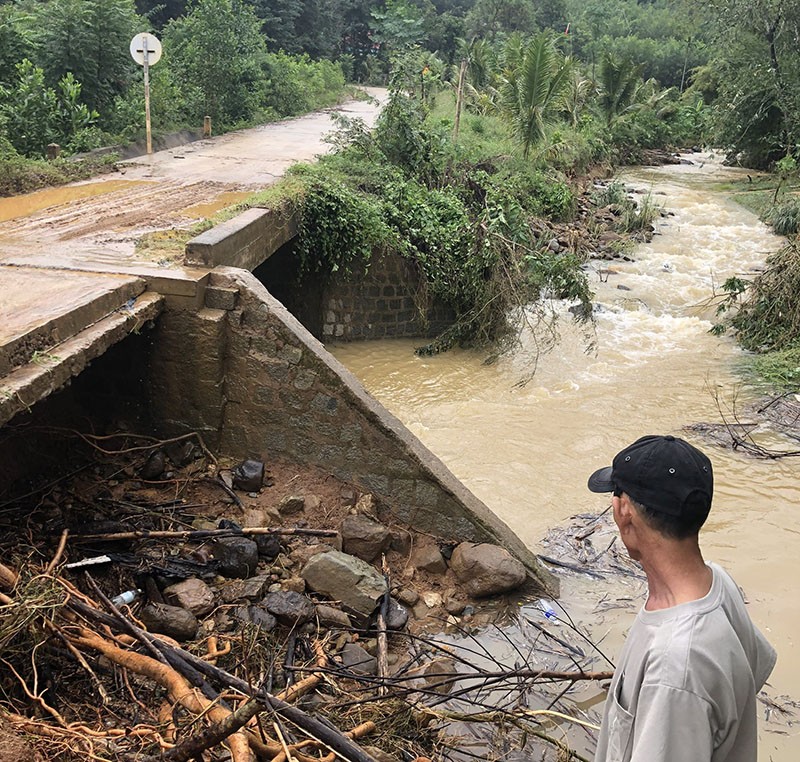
x=385 y=299
x=256 y=383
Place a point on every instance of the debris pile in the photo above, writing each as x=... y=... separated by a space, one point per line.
x=158 y=604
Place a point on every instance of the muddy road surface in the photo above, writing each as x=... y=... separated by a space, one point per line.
x=101 y=219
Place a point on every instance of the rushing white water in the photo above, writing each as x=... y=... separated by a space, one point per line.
x=648 y=365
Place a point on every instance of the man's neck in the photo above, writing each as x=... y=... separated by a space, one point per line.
x=676 y=574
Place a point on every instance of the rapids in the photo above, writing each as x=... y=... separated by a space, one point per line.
x=647 y=365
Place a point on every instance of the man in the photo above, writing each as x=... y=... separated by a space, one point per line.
x=686 y=683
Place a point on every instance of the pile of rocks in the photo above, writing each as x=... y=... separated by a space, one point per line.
x=307 y=584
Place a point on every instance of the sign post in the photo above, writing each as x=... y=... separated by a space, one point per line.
x=146 y=51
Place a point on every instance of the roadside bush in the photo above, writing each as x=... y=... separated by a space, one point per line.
x=21 y=175
x=296 y=84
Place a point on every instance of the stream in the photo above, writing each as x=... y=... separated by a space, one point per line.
x=647 y=365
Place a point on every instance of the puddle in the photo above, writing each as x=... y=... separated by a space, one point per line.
x=209 y=208
x=29 y=203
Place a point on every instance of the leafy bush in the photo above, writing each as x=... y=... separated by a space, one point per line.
x=466 y=223
x=785 y=217
x=769 y=317
x=780 y=368
x=296 y=84
x=21 y=175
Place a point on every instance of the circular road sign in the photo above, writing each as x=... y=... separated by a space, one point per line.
x=150 y=43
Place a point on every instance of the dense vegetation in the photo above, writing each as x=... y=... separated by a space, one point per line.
x=540 y=91
x=647 y=73
x=465 y=216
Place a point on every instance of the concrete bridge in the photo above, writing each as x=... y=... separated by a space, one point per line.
x=92 y=329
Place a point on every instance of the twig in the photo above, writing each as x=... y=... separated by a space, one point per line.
x=62 y=544
x=383 y=655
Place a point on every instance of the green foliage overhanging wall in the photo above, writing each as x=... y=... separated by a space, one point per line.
x=468 y=225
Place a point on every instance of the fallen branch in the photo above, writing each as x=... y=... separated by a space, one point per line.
x=202 y=534
x=194 y=746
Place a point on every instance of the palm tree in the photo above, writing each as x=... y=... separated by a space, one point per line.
x=619 y=82
x=535 y=78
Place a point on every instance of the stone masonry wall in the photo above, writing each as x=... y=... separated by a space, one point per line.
x=381 y=301
x=284 y=395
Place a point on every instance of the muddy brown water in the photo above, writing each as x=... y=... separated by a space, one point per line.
x=649 y=365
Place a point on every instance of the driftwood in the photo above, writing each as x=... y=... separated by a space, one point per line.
x=189 y=667
x=383 y=655
x=202 y=534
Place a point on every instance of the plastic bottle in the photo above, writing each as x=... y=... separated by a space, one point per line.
x=129 y=596
x=548 y=610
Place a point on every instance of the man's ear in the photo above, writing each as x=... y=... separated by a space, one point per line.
x=623 y=511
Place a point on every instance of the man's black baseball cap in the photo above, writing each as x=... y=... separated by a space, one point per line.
x=665 y=474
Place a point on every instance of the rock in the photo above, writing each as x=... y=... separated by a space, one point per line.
x=312 y=504
x=301 y=552
x=154 y=466
x=176 y=622
x=363 y=537
x=256 y=615
x=181 y=453
x=396 y=615
x=432 y=599
x=486 y=569
x=256 y=517
x=191 y=594
x=554 y=245
x=609 y=236
x=454 y=606
x=251 y=589
x=408 y=596
x=248 y=476
x=294 y=585
x=356 y=659
x=400 y=541
x=236 y=556
x=269 y=545
x=292 y=504
x=330 y=616
x=345 y=578
x=623 y=287
x=290 y=608
x=347 y=495
x=428 y=558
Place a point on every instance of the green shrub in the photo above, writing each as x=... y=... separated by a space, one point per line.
x=785 y=217
x=782 y=369
x=296 y=84
x=769 y=317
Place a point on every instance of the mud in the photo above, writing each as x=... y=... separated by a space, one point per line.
x=168 y=190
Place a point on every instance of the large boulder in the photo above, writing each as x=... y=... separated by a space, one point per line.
x=345 y=578
x=486 y=569
x=363 y=537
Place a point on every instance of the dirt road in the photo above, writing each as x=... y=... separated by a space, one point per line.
x=99 y=221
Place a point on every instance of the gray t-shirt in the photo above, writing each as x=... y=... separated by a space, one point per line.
x=686 y=683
